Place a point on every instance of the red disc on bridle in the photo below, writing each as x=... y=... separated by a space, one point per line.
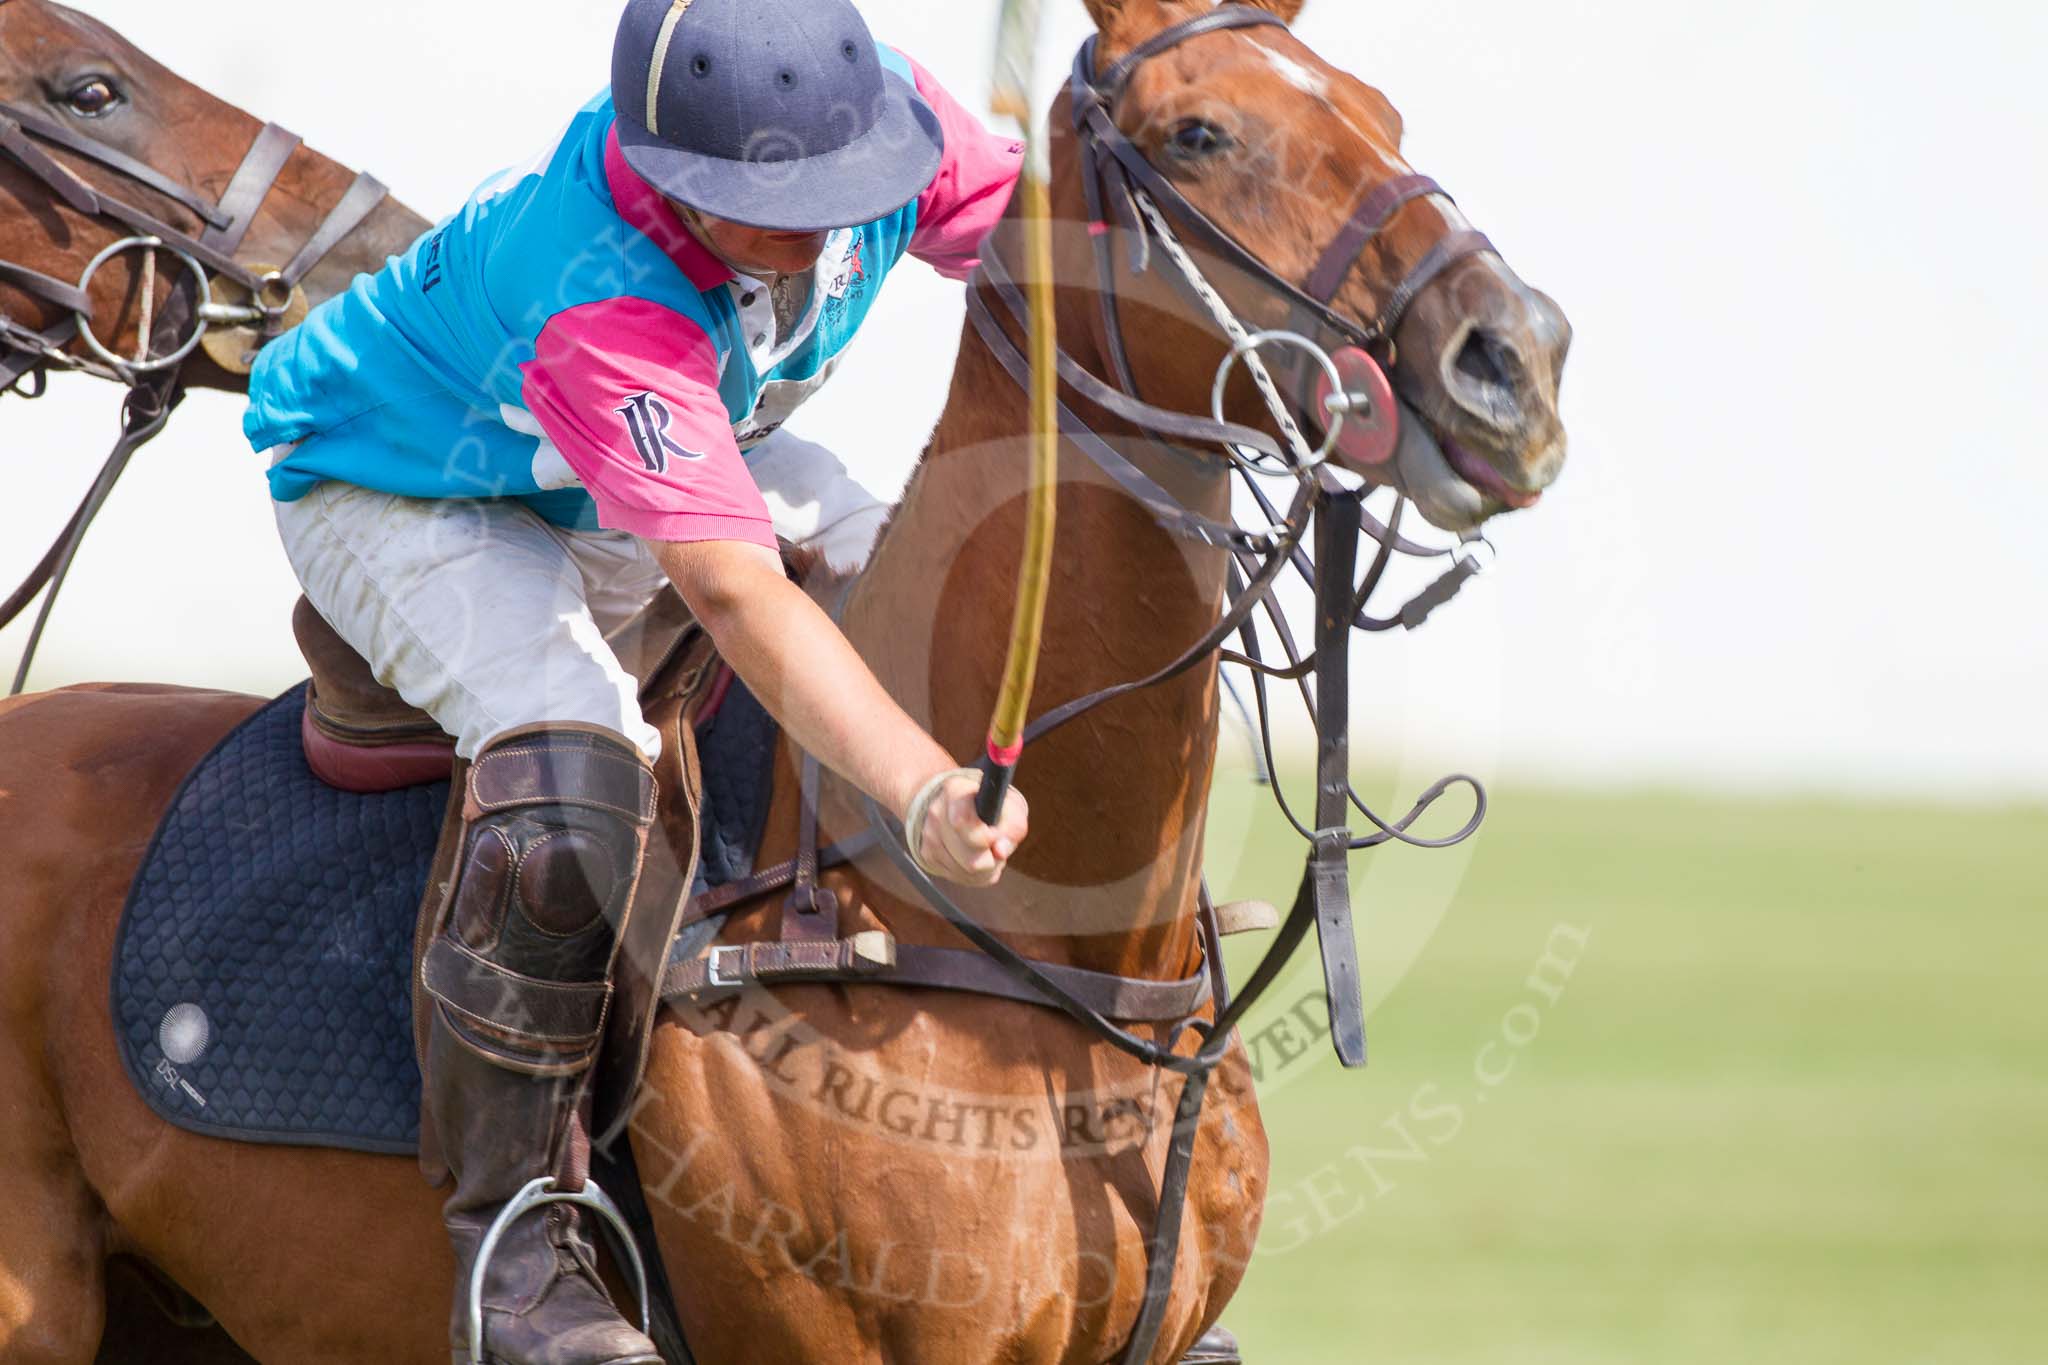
x=1372 y=424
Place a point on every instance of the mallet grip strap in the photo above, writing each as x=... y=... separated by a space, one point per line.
x=920 y=806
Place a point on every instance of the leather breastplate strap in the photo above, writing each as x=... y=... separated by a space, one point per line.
x=728 y=967
x=1327 y=880
x=811 y=948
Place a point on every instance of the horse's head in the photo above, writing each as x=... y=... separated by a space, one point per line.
x=95 y=109
x=1278 y=149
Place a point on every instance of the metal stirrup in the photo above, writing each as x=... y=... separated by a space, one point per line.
x=533 y=1195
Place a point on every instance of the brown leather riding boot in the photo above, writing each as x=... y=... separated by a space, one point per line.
x=519 y=972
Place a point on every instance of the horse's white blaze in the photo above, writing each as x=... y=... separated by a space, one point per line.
x=1393 y=161
x=1297 y=75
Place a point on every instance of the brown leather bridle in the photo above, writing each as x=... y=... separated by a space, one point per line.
x=26 y=351
x=1113 y=168
x=166 y=339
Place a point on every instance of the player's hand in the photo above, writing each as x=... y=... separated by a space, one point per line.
x=948 y=839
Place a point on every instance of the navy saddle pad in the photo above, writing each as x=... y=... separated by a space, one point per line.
x=261 y=981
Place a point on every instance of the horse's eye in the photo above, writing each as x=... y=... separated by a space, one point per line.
x=92 y=98
x=1195 y=138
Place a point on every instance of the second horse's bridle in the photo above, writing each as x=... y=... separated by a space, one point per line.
x=166 y=339
x=1115 y=172
x=27 y=352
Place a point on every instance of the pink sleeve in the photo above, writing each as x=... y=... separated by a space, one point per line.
x=968 y=195
x=628 y=392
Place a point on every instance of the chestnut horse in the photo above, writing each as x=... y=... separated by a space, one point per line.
x=834 y=1172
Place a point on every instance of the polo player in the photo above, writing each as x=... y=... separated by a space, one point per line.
x=498 y=448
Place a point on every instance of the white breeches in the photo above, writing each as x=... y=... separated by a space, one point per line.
x=488 y=618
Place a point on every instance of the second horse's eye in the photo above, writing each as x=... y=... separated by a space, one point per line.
x=90 y=99
x=1195 y=138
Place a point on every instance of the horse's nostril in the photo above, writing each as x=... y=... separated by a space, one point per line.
x=1486 y=360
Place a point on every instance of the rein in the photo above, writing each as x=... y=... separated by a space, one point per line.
x=153 y=376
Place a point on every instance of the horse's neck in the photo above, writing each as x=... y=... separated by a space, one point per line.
x=1118 y=795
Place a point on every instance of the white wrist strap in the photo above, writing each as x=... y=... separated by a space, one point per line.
x=920 y=804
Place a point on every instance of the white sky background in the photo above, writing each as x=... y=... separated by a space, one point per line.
x=1797 y=544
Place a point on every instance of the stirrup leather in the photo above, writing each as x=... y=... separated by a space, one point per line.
x=537 y=1194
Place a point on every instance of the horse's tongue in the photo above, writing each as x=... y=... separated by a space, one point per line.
x=1485 y=477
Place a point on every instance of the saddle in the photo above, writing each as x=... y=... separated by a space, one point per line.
x=260 y=975
x=360 y=736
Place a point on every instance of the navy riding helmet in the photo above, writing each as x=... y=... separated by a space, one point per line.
x=774 y=114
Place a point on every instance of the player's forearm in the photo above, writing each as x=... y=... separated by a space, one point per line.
x=801 y=667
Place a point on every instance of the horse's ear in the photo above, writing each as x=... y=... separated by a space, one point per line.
x=1115 y=16
x=1108 y=14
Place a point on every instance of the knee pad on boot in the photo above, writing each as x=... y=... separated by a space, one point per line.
x=519 y=969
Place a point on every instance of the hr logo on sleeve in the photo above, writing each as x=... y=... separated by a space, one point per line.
x=647 y=422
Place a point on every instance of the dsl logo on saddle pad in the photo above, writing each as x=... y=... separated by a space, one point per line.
x=647 y=422
x=184 y=1035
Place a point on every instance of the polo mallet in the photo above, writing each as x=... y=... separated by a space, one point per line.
x=1016 y=53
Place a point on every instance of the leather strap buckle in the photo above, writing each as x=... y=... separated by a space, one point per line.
x=715 y=973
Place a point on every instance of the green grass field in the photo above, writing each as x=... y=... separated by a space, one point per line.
x=1780 y=1092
